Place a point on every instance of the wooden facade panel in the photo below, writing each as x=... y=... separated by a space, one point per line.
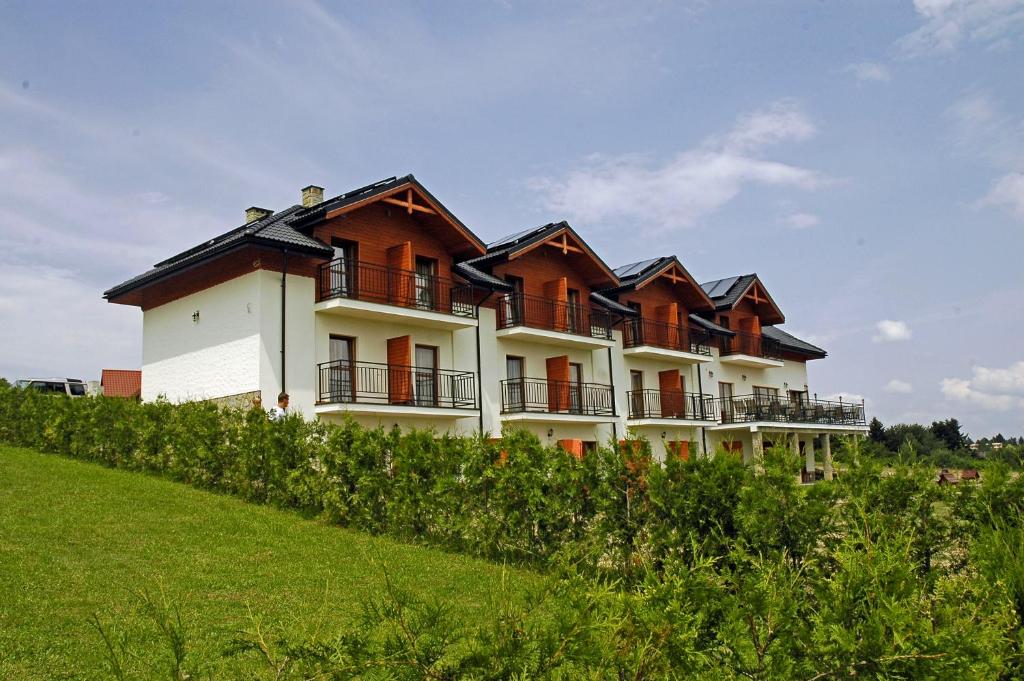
x=228 y=266
x=540 y=266
x=379 y=227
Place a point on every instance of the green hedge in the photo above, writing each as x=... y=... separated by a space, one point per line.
x=510 y=499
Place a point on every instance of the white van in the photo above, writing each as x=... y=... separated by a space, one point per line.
x=73 y=387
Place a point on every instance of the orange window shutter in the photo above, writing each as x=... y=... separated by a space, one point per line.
x=400 y=274
x=557 y=292
x=574 y=447
x=558 y=383
x=670 y=387
x=399 y=369
x=680 y=448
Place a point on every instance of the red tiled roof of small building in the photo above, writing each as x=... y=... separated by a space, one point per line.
x=121 y=383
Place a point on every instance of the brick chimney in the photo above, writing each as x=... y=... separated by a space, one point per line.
x=254 y=213
x=312 y=196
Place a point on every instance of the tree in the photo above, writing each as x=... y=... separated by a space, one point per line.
x=876 y=431
x=949 y=432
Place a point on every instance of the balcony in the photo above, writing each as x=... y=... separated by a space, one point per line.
x=750 y=350
x=659 y=406
x=771 y=409
x=541 y=399
x=360 y=289
x=553 y=322
x=660 y=340
x=373 y=388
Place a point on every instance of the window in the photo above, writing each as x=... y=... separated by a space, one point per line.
x=341 y=383
x=426 y=282
x=575 y=387
x=797 y=397
x=342 y=268
x=764 y=395
x=636 y=402
x=426 y=376
x=575 y=311
x=635 y=326
x=513 y=308
x=77 y=389
x=515 y=386
x=728 y=406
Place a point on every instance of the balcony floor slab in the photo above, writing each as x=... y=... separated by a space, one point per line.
x=407 y=411
x=777 y=427
x=364 y=309
x=548 y=417
x=570 y=340
x=751 y=361
x=668 y=422
x=654 y=352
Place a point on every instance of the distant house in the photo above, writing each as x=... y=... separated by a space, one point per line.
x=970 y=474
x=122 y=383
x=947 y=478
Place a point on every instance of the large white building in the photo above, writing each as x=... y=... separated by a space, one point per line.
x=382 y=305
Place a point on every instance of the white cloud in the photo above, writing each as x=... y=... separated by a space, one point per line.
x=892 y=330
x=689 y=186
x=950 y=23
x=868 y=71
x=1009 y=381
x=802 y=220
x=995 y=389
x=897 y=386
x=1007 y=193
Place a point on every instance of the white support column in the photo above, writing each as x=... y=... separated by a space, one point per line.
x=794 y=444
x=758 y=450
x=826 y=445
x=809 y=463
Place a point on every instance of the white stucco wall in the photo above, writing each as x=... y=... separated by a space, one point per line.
x=300 y=361
x=217 y=355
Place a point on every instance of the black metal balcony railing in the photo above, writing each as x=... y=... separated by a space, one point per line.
x=343 y=381
x=520 y=309
x=751 y=408
x=670 y=404
x=637 y=332
x=358 y=280
x=752 y=344
x=540 y=395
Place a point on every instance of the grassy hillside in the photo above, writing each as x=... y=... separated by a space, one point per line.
x=78 y=539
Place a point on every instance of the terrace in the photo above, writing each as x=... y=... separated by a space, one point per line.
x=751 y=350
x=371 y=387
x=365 y=289
x=770 y=409
x=656 y=340
x=669 y=404
x=554 y=322
x=525 y=398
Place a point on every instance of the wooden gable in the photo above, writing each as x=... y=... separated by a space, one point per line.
x=579 y=255
x=434 y=218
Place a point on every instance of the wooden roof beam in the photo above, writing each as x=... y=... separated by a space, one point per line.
x=563 y=245
x=408 y=204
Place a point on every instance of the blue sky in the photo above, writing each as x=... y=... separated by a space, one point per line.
x=865 y=159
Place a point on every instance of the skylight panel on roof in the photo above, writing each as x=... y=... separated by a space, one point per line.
x=513 y=237
x=634 y=268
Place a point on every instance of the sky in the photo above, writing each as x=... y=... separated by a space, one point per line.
x=865 y=159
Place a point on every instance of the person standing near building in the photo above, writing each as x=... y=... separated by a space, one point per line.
x=281 y=410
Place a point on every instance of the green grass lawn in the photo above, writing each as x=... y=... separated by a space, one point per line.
x=78 y=539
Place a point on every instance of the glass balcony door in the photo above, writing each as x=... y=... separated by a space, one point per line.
x=341 y=377
x=426 y=376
